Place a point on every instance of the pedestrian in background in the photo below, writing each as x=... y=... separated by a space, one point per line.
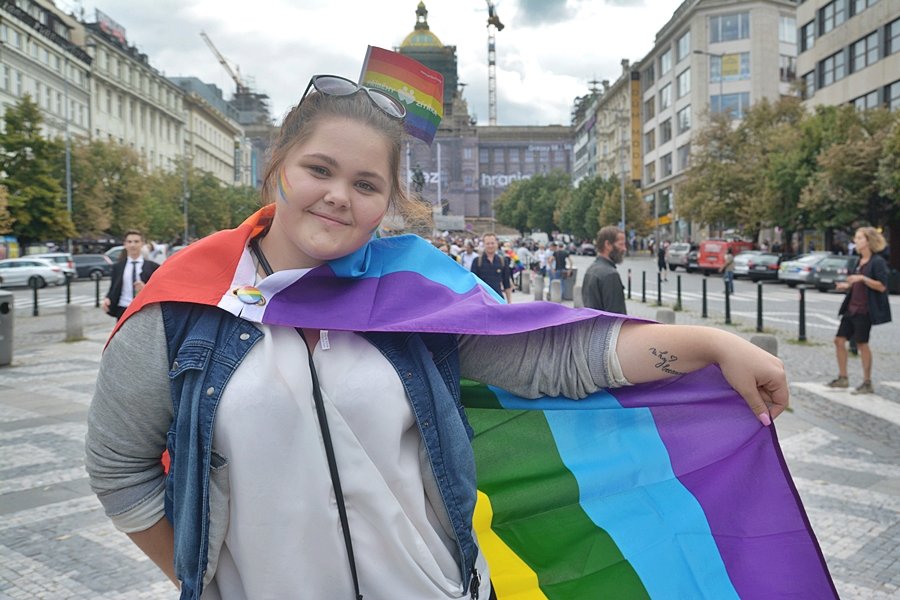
x=469 y=255
x=602 y=288
x=727 y=270
x=128 y=275
x=492 y=267
x=661 y=260
x=865 y=304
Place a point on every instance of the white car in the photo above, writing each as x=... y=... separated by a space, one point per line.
x=33 y=272
x=742 y=262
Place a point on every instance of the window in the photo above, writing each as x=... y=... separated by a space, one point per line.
x=683 y=83
x=665 y=97
x=5 y=81
x=498 y=155
x=120 y=106
x=864 y=52
x=684 y=157
x=809 y=85
x=19 y=83
x=683 y=46
x=866 y=102
x=831 y=15
x=787 y=29
x=833 y=69
x=109 y=101
x=649 y=109
x=684 y=119
x=787 y=67
x=665 y=62
x=736 y=104
x=650 y=140
x=893 y=37
x=665 y=165
x=483 y=155
x=893 y=96
x=648 y=76
x=726 y=28
x=735 y=67
x=650 y=172
x=665 y=131
x=467 y=153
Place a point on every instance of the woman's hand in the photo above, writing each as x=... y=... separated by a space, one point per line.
x=649 y=352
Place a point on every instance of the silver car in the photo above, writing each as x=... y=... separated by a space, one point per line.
x=802 y=269
x=677 y=255
x=33 y=272
x=742 y=262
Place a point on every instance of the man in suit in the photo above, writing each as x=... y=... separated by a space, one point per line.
x=128 y=275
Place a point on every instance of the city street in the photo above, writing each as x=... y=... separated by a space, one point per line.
x=55 y=542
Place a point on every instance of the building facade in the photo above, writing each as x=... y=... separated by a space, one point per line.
x=712 y=56
x=850 y=52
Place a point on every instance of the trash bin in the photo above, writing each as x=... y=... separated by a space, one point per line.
x=570 y=276
x=6 y=327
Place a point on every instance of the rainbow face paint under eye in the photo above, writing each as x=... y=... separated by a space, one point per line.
x=284 y=185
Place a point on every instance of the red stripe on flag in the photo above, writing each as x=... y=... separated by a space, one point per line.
x=411 y=78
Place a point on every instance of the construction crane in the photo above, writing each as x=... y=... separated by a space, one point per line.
x=234 y=73
x=493 y=24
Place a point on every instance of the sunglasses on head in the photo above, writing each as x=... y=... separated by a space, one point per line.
x=334 y=85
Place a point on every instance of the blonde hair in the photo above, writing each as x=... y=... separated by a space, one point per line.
x=874 y=237
x=300 y=124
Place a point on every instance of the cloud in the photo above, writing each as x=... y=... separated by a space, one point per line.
x=625 y=3
x=540 y=12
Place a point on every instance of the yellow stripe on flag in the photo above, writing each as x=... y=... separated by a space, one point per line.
x=376 y=79
x=511 y=577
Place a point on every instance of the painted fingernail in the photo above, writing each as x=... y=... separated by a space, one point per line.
x=764 y=418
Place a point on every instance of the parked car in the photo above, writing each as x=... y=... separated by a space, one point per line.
x=63 y=259
x=677 y=255
x=712 y=253
x=115 y=252
x=763 y=265
x=833 y=269
x=93 y=266
x=742 y=263
x=800 y=270
x=693 y=263
x=587 y=249
x=30 y=271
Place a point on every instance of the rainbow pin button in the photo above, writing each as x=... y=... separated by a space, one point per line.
x=249 y=295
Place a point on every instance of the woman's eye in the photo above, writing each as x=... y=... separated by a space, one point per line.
x=366 y=186
x=318 y=170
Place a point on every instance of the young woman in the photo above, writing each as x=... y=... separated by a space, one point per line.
x=270 y=428
x=865 y=304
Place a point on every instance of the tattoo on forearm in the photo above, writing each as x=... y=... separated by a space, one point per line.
x=666 y=360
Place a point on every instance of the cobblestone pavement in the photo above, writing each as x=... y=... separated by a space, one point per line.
x=55 y=541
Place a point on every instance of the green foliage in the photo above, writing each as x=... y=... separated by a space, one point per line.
x=637 y=213
x=531 y=204
x=36 y=201
x=578 y=216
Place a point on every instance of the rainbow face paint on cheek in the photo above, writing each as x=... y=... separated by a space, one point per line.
x=284 y=185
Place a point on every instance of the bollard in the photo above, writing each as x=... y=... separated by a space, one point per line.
x=644 y=287
x=577 y=300
x=74 y=323
x=97 y=293
x=659 y=289
x=802 y=336
x=68 y=290
x=556 y=291
x=767 y=342
x=526 y=282
x=759 y=304
x=665 y=315
x=678 y=299
x=629 y=283
x=7 y=312
x=538 y=287
x=727 y=307
x=704 y=313
x=34 y=289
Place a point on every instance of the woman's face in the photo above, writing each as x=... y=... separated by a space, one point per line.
x=860 y=240
x=333 y=192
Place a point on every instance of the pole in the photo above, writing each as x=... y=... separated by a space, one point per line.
x=759 y=306
x=704 y=312
x=678 y=299
x=68 y=146
x=644 y=287
x=727 y=306
x=629 y=283
x=439 y=179
x=658 y=288
x=622 y=164
x=802 y=336
x=187 y=195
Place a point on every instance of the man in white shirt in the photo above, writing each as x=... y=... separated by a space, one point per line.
x=469 y=255
x=128 y=275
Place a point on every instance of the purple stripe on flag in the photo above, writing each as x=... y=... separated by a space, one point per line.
x=753 y=510
x=407 y=301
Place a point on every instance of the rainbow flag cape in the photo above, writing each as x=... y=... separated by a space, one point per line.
x=419 y=88
x=663 y=490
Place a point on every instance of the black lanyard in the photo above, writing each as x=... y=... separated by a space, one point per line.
x=326 y=432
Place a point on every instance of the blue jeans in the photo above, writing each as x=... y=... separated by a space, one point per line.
x=729 y=282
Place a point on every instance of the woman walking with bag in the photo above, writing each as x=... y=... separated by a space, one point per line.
x=865 y=304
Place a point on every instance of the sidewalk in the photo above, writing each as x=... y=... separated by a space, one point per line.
x=55 y=541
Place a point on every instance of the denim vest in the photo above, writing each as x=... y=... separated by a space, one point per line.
x=205 y=347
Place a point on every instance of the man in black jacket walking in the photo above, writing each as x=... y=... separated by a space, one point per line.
x=128 y=275
x=602 y=286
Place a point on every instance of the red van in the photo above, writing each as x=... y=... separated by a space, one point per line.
x=712 y=253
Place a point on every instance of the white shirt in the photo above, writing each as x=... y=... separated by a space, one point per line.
x=132 y=266
x=468 y=258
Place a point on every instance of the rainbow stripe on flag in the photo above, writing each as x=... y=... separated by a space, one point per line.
x=663 y=490
x=419 y=88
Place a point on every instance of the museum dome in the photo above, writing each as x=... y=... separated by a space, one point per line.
x=421 y=36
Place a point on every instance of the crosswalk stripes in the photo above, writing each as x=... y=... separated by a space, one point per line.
x=27 y=303
x=871 y=404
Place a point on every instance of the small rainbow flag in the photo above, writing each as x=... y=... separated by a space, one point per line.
x=419 y=88
x=663 y=490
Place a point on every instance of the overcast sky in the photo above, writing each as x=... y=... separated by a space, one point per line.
x=546 y=55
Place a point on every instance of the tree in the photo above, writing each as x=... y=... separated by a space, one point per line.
x=531 y=204
x=36 y=203
x=888 y=176
x=578 y=215
x=637 y=214
x=5 y=217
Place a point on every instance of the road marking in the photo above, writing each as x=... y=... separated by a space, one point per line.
x=872 y=404
x=893 y=384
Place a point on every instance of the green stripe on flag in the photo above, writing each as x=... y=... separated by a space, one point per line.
x=536 y=506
